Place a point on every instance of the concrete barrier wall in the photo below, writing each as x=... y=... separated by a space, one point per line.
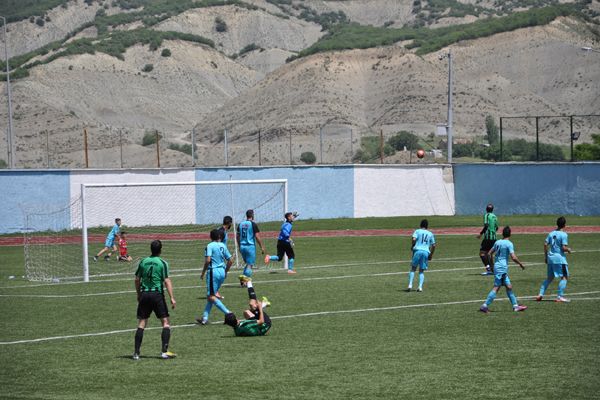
x=518 y=188
x=381 y=191
x=317 y=192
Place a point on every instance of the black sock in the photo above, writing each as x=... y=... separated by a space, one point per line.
x=251 y=293
x=484 y=260
x=139 y=335
x=165 y=336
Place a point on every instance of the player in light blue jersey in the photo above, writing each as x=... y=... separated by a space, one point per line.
x=423 y=247
x=503 y=249
x=555 y=247
x=217 y=261
x=285 y=244
x=223 y=229
x=247 y=237
x=110 y=242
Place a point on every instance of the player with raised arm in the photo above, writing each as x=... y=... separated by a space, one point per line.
x=285 y=244
x=109 y=243
x=423 y=247
x=555 y=247
x=151 y=274
x=123 y=254
x=503 y=249
x=247 y=237
x=217 y=261
x=490 y=227
x=257 y=322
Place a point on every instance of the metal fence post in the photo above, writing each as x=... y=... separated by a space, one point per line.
x=193 y=146
x=259 y=154
x=571 y=135
x=501 y=139
x=85 y=147
x=321 y=144
x=157 y=148
x=537 y=138
x=226 y=155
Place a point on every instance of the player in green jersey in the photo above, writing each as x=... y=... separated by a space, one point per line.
x=257 y=322
x=490 y=227
x=150 y=278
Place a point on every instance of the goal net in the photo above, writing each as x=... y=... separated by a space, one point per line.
x=180 y=214
x=52 y=245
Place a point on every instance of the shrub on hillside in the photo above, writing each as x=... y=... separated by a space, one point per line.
x=308 y=157
x=184 y=148
x=220 y=25
x=588 y=151
x=148 y=68
x=165 y=53
x=40 y=21
x=150 y=138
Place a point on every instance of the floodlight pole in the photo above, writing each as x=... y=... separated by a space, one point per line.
x=449 y=123
x=11 y=153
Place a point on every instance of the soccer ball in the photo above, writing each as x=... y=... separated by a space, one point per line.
x=420 y=153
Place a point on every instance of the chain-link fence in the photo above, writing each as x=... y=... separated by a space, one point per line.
x=525 y=138
x=545 y=137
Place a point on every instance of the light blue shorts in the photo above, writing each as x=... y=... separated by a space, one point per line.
x=109 y=242
x=214 y=279
x=501 y=279
x=420 y=259
x=248 y=254
x=558 y=270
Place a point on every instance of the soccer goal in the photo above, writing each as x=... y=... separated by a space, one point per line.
x=180 y=214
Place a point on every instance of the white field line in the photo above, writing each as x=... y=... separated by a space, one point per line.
x=320 y=313
x=292 y=280
x=268 y=270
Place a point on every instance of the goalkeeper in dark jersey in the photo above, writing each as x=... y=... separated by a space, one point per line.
x=257 y=322
x=490 y=227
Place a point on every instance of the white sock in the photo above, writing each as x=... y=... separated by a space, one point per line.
x=249 y=284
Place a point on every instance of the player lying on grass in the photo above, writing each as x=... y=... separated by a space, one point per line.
x=150 y=276
x=123 y=254
x=285 y=244
x=423 y=247
x=217 y=261
x=555 y=247
x=256 y=322
x=503 y=249
x=109 y=243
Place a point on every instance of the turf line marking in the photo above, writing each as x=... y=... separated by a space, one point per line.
x=406 y=306
x=263 y=270
x=289 y=280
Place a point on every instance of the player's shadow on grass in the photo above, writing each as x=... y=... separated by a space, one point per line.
x=128 y=357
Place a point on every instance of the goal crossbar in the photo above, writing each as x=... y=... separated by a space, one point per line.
x=86 y=186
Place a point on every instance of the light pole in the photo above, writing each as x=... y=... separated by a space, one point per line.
x=11 y=154
x=449 y=118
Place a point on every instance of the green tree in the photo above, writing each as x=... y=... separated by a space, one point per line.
x=402 y=139
x=588 y=151
x=491 y=130
x=308 y=157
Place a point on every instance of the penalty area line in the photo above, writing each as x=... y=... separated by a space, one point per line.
x=314 y=314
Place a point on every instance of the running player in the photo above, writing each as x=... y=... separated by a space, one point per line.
x=247 y=237
x=285 y=244
x=555 y=247
x=217 y=263
x=423 y=247
x=123 y=254
x=109 y=243
x=223 y=229
x=152 y=272
x=490 y=227
x=503 y=250
x=257 y=322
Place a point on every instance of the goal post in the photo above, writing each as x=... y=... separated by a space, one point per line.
x=178 y=213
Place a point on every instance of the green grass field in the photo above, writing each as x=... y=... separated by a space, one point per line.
x=343 y=327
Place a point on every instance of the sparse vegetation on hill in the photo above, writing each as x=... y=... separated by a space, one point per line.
x=355 y=36
x=588 y=151
x=18 y=10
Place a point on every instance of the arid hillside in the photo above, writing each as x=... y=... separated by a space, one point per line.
x=226 y=67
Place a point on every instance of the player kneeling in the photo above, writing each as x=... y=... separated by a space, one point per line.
x=257 y=322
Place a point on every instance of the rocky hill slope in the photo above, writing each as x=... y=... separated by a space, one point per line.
x=243 y=84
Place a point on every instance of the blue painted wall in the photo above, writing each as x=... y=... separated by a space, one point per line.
x=528 y=188
x=316 y=192
x=33 y=190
